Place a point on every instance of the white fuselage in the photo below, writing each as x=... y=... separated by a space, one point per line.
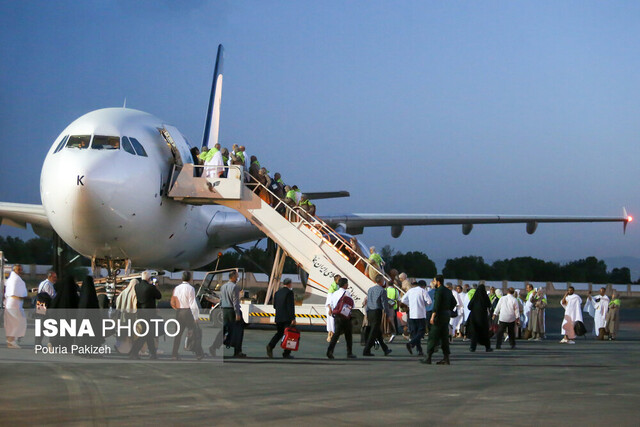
x=111 y=203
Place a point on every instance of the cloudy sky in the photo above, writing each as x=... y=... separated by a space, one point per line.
x=414 y=107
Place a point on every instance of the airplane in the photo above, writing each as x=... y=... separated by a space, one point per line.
x=104 y=189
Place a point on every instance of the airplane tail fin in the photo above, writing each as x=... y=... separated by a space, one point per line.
x=212 y=124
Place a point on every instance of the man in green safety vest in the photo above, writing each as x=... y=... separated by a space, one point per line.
x=331 y=327
x=393 y=297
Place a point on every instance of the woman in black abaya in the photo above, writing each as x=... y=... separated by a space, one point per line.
x=90 y=309
x=479 y=319
x=64 y=306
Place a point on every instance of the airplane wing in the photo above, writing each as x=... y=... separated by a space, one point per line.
x=355 y=223
x=21 y=214
x=327 y=195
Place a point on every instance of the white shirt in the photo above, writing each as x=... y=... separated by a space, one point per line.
x=507 y=309
x=47 y=286
x=417 y=299
x=186 y=295
x=333 y=299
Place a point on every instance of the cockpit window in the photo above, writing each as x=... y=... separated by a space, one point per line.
x=127 y=146
x=61 y=144
x=79 y=141
x=139 y=148
x=101 y=142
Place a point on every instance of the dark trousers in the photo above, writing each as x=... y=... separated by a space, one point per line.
x=511 y=329
x=439 y=334
x=148 y=338
x=429 y=313
x=417 y=328
x=234 y=329
x=374 y=317
x=186 y=321
x=278 y=335
x=343 y=326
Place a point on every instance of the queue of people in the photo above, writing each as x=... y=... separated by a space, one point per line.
x=429 y=310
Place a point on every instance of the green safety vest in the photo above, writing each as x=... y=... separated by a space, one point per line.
x=392 y=296
x=492 y=297
x=305 y=202
x=225 y=160
x=615 y=303
x=280 y=181
x=292 y=195
x=375 y=257
x=471 y=293
x=333 y=288
x=544 y=299
x=257 y=163
x=205 y=156
x=241 y=155
x=528 y=295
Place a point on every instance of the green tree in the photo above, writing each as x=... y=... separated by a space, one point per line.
x=467 y=268
x=415 y=264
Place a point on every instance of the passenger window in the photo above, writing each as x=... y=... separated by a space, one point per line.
x=61 y=144
x=101 y=142
x=139 y=148
x=127 y=146
x=79 y=141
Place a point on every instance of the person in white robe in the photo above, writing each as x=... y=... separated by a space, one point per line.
x=528 y=306
x=597 y=307
x=15 y=321
x=457 y=321
x=572 y=304
x=214 y=167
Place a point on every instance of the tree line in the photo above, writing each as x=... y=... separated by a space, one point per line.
x=414 y=263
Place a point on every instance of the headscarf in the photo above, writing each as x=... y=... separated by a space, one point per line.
x=66 y=294
x=480 y=300
x=88 y=296
x=499 y=293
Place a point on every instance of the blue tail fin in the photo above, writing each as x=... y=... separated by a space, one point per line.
x=212 y=124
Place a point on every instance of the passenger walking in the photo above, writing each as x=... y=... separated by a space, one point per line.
x=232 y=315
x=508 y=314
x=187 y=312
x=146 y=295
x=612 y=323
x=46 y=293
x=538 y=315
x=417 y=299
x=376 y=305
x=443 y=303
x=342 y=321
x=478 y=329
x=572 y=304
x=331 y=328
x=375 y=263
x=15 y=321
x=283 y=303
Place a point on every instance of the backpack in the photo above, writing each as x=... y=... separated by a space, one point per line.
x=579 y=328
x=343 y=307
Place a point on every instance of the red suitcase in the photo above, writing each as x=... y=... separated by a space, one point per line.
x=291 y=339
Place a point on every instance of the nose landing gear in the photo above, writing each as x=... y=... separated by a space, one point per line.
x=114 y=267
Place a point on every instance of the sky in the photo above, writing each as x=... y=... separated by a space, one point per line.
x=523 y=108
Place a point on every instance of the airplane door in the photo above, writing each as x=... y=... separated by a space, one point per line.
x=179 y=146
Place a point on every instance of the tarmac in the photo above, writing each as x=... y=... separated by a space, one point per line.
x=539 y=383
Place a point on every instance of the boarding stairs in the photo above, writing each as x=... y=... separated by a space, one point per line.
x=310 y=242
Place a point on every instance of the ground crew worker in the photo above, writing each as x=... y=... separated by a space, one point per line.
x=443 y=303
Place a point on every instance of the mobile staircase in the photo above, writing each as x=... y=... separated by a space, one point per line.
x=316 y=247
